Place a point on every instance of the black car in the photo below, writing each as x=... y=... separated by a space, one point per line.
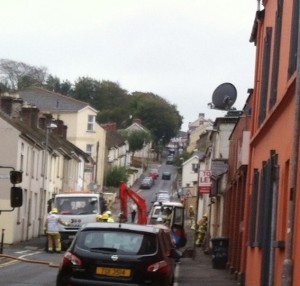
x=119 y=254
x=166 y=176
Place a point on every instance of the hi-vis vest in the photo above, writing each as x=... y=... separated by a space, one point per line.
x=52 y=223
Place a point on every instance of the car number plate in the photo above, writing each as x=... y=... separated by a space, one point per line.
x=113 y=271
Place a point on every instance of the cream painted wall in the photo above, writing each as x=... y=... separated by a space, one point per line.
x=27 y=221
x=78 y=134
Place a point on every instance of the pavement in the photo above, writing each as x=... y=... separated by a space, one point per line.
x=196 y=268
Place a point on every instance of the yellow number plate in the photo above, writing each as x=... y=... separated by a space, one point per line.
x=113 y=271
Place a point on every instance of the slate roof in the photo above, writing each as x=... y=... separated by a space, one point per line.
x=113 y=139
x=37 y=137
x=218 y=167
x=50 y=101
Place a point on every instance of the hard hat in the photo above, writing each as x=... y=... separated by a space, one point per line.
x=108 y=212
x=105 y=216
x=191 y=207
x=54 y=211
x=98 y=217
x=205 y=215
x=159 y=219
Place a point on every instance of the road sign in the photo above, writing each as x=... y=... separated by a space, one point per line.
x=205 y=181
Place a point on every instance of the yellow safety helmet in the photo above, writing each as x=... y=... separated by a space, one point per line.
x=98 y=217
x=54 y=211
x=205 y=215
x=105 y=216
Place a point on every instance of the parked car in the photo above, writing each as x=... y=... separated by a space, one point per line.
x=147 y=183
x=117 y=254
x=153 y=173
x=166 y=176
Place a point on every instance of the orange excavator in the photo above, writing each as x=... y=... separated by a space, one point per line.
x=126 y=193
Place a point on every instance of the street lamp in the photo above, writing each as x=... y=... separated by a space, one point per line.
x=49 y=127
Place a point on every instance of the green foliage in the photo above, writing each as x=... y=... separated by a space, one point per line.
x=182 y=158
x=53 y=83
x=115 y=175
x=136 y=139
x=157 y=115
x=114 y=104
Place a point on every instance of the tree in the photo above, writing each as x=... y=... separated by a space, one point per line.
x=115 y=175
x=53 y=83
x=101 y=95
x=157 y=115
x=18 y=75
x=136 y=139
x=119 y=115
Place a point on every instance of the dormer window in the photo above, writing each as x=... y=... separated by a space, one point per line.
x=91 y=122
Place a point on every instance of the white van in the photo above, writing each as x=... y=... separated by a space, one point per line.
x=76 y=209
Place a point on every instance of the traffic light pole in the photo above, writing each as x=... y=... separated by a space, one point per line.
x=16 y=193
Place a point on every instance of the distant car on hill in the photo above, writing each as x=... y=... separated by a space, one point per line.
x=153 y=173
x=166 y=176
x=170 y=160
x=147 y=183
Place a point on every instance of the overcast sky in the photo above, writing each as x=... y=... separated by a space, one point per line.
x=180 y=50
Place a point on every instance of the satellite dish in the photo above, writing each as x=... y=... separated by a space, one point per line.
x=224 y=97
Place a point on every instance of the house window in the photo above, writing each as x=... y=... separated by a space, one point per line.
x=276 y=54
x=91 y=122
x=89 y=149
x=265 y=76
x=294 y=39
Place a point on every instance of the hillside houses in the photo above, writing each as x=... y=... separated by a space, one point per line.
x=50 y=164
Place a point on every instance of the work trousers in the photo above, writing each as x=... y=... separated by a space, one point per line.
x=54 y=243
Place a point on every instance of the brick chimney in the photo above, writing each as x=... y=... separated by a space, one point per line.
x=45 y=120
x=137 y=120
x=29 y=115
x=112 y=126
x=61 y=129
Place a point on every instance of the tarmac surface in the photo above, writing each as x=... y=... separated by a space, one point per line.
x=198 y=269
x=194 y=268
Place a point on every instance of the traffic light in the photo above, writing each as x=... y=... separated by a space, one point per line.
x=15 y=177
x=16 y=197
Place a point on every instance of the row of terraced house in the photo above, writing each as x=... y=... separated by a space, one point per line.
x=57 y=144
x=252 y=158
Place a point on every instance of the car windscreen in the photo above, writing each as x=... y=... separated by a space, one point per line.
x=116 y=241
x=77 y=205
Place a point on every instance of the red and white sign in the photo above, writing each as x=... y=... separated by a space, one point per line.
x=205 y=181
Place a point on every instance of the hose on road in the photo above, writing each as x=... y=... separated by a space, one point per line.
x=50 y=264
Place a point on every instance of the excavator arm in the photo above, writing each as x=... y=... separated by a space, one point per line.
x=126 y=193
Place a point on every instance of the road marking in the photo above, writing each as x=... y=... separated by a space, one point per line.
x=176 y=275
x=30 y=254
x=22 y=251
x=8 y=263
